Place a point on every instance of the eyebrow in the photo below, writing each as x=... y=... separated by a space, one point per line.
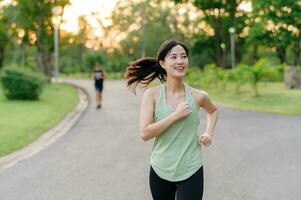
x=183 y=53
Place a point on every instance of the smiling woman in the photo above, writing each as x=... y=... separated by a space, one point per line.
x=100 y=8
x=169 y=113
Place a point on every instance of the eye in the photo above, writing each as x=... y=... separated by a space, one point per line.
x=173 y=57
x=184 y=56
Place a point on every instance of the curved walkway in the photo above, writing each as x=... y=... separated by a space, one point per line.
x=255 y=156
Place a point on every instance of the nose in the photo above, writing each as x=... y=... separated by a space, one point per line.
x=180 y=60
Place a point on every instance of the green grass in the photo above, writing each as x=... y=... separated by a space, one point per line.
x=274 y=98
x=22 y=122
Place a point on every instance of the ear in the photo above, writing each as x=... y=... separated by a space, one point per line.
x=162 y=64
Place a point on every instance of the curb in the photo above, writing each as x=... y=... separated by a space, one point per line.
x=50 y=136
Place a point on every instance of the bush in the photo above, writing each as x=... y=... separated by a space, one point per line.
x=194 y=76
x=239 y=76
x=262 y=70
x=21 y=84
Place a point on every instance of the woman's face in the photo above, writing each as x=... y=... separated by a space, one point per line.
x=176 y=62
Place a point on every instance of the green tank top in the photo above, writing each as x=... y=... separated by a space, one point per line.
x=176 y=154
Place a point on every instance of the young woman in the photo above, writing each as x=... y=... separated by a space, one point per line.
x=98 y=83
x=169 y=113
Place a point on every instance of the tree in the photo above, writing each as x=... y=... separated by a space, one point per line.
x=280 y=25
x=34 y=19
x=3 y=34
x=141 y=26
x=220 y=15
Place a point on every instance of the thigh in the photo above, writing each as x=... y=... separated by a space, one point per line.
x=161 y=189
x=191 y=188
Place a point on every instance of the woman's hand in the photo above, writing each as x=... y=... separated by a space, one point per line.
x=205 y=139
x=182 y=110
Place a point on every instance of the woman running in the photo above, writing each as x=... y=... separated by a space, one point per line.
x=169 y=113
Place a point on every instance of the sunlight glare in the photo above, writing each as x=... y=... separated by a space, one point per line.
x=102 y=8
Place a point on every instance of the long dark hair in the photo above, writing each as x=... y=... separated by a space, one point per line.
x=145 y=70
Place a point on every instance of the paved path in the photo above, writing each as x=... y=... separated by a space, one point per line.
x=254 y=157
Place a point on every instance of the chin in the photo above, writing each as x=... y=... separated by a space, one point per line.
x=179 y=75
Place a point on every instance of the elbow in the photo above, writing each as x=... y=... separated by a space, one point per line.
x=214 y=112
x=144 y=136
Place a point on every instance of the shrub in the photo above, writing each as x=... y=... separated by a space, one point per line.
x=262 y=70
x=239 y=76
x=194 y=76
x=210 y=75
x=21 y=84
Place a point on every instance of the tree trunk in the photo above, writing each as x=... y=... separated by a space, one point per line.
x=23 y=55
x=1 y=57
x=297 y=53
x=254 y=56
x=281 y=53
x=220 y=57
x=44 y=55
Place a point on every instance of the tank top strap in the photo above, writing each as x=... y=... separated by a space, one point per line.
x=189 y=98
x=188 y=93
x=162 y=93
x=161 y=96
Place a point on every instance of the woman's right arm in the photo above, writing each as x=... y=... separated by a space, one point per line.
x=150 y=129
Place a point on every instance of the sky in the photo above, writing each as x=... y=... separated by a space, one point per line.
x=103 y=8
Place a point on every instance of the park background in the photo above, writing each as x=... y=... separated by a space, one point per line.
x=245 y=54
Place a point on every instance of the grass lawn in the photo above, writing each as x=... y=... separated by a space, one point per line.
x=274 y=98
x=24 y=121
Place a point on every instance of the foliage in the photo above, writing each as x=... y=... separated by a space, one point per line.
x=31 y=24
x=216 y=76
x=276 y=23
x=91 y=60
x=18 y=83
x=3 y=35
x=202 y=51
x=194 y=76
x=239 y=77
x=144 y=25
x=219 y=16
x=262 y=69
x=137 y=29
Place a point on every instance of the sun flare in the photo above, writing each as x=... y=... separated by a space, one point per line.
x=101 y=8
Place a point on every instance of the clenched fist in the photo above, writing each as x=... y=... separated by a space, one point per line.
x=182 y=110
x=205 y=139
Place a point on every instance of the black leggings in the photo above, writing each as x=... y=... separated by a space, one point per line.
x=189 y=189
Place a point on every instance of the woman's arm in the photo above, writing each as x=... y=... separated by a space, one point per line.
x=212 y=113
x=212 y=116
x=150 y=129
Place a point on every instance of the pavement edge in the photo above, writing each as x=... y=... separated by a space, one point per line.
x=51 y=135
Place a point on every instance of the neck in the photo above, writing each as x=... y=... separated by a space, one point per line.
x=174 y=85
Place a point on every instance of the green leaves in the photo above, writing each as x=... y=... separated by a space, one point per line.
x=213 y=76
x=21 y=84
x=278 y=23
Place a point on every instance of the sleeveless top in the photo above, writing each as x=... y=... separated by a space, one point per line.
x=176 y=154
x=98 y=78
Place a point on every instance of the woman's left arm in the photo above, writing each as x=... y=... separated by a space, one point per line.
x=212 y=116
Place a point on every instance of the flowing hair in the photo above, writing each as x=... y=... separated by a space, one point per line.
x=145 y=70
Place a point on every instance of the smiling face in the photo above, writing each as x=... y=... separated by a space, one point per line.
x=175 y=62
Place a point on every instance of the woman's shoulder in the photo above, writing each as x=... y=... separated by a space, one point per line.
x=153 y=91
x=198 y=95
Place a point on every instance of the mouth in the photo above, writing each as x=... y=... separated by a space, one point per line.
x=180 y=68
